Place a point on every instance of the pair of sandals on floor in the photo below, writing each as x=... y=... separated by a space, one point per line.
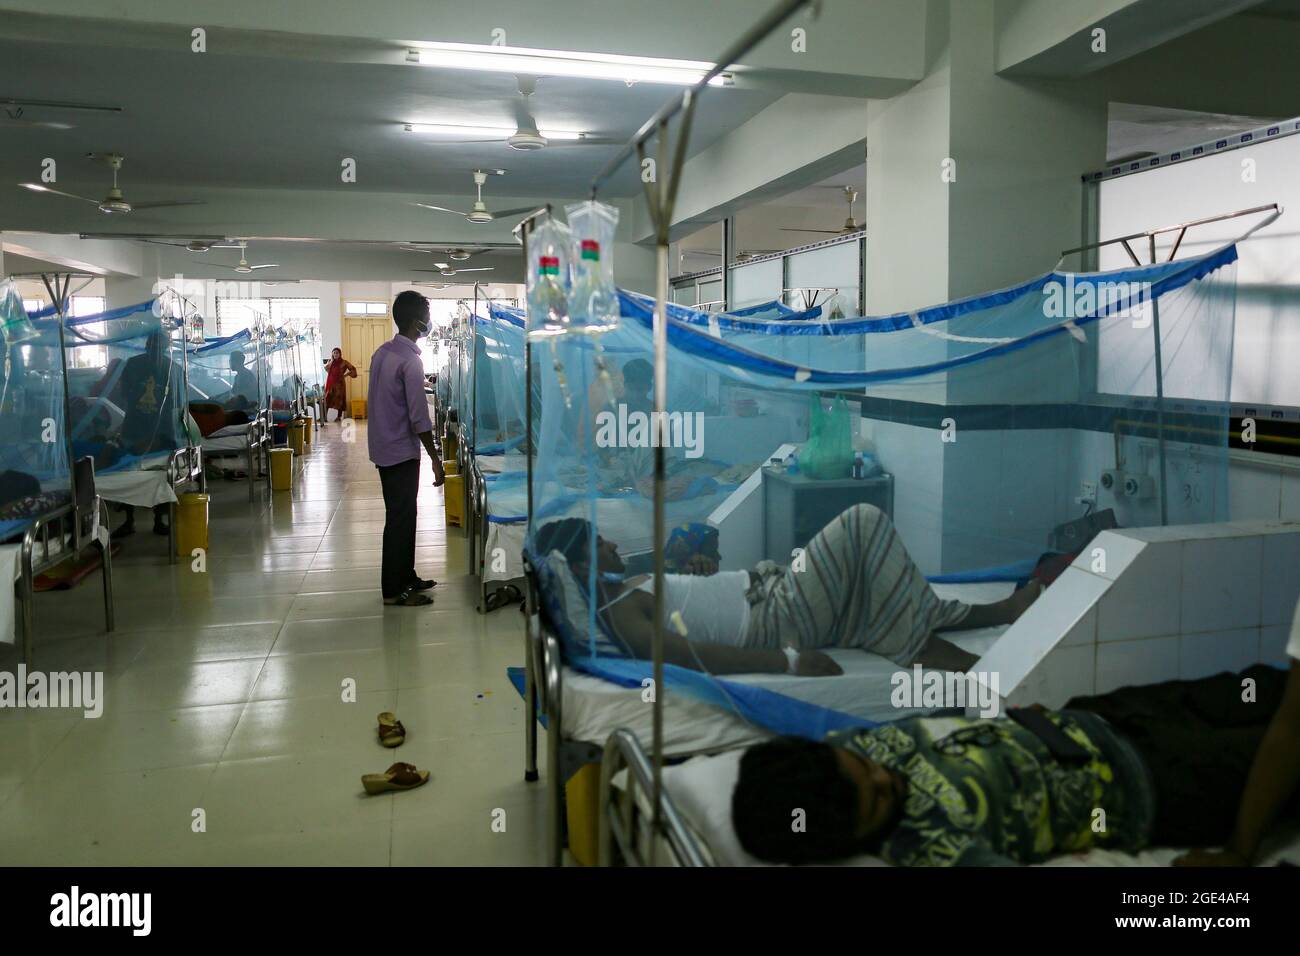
x=412 y=597
x=400 y=776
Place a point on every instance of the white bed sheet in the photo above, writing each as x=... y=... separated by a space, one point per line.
x=143 y=486
x=594 y=708
x=226 y=444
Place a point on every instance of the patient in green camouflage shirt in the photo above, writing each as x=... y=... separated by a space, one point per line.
x=1157 y=765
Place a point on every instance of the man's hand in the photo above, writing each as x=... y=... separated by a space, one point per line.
x=816 y=664
x=439 y=476
x=1212 y=858
x=701 y=564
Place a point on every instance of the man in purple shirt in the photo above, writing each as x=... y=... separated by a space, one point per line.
x=398 y=425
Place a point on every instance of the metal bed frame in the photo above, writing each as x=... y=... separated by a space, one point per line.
x=82 y=518
x=544 y=697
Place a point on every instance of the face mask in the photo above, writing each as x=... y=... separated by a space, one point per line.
x=423 y=327
x=612 y=577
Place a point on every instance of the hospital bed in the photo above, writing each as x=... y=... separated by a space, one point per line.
x=582 y=713
x=251 y=440
x=154 y=480
x=695 y=818
x=497 y=522
x=59 y=534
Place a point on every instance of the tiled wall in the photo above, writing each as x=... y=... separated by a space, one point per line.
x=1145 y=605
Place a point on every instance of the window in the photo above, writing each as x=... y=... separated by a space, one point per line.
x=89 y=356
x=235 y=315
x=88 y=305
x=33 y=305
x=356 y=308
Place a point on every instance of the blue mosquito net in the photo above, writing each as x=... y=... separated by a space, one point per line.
x=989 y=432
x=228 y=371
x=126 y=385
x=34 y=464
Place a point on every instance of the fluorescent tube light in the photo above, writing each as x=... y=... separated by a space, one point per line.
x=596 y=66
x=491 y=132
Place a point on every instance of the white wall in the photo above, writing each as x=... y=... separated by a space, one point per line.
x=1266 y=352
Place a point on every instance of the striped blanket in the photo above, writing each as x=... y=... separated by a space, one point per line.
x=855 y=585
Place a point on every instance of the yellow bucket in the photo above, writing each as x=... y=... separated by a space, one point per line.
x=453 y=495
x=281 y=469
x=297 y=439
x=449 y=446
x=358 y=408
x=308 y=426
x=191 y=524
x=581 y=803
x=449 y=466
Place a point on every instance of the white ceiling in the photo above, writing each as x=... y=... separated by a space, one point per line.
x=286 y=123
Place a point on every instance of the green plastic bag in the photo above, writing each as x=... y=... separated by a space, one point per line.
x=829 y=452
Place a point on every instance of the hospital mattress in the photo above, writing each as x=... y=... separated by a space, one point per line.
x=142 y=486
x=229 y=440
x=594 y=708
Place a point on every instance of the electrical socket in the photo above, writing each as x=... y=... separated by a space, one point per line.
x=1088 y=493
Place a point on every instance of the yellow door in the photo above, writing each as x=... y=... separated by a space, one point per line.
x=362 y=335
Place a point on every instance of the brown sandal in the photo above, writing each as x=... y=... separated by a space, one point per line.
x=391 y=731
x=400 y=776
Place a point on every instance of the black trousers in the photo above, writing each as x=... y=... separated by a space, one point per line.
x=401 y=484
x=1199 y=739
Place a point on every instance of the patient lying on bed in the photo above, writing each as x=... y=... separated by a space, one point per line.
x=1162 y=765
x=853 y=586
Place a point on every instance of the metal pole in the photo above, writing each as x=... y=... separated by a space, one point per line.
x=57 y=293
x=1160 y=410
x=755 y=35
x=1176 y=227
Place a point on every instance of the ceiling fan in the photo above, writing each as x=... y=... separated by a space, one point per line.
x=526 y=136
x=454 y=253
x=15 y=112
x=851 y=225
x=447 y=270
x=114 y=203
x=244 y=267
x=479 y=213
x=197 y=245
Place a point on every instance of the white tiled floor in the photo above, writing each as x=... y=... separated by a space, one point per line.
x=224 y=694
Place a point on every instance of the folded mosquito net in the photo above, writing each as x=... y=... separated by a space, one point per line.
x=824 y=469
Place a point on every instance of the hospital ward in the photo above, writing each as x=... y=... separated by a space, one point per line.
x=799 y=435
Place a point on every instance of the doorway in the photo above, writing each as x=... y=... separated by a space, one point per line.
x=367 y=324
